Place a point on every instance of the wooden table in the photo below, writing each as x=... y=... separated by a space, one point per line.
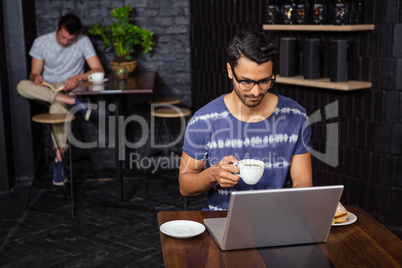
x=136 y=83
x=365 y=243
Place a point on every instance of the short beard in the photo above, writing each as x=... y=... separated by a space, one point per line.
x=243 y=99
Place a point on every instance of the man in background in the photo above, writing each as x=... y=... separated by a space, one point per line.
x=58 y=58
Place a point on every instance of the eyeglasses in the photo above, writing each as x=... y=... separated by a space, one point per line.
x=248 y=84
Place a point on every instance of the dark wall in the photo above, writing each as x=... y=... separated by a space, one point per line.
x=17 y=69
x=213 y=23
x=369 y=120
x=7 y=178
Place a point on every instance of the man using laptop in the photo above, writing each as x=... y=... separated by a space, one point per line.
x=248 y=123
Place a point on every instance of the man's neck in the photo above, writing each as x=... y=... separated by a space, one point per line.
x=251 y=114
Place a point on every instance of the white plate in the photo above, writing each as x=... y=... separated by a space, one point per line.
x=182 y=228
x=351 y=219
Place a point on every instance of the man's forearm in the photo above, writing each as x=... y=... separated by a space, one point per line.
x=303 y=182
x=301 y=170
x=32 y=77
x=84 y=76
x=193 y=184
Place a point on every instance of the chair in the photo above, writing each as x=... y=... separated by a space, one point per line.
x=49 y=119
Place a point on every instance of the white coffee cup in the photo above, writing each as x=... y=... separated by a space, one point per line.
x=251 y=170
x=96 y=78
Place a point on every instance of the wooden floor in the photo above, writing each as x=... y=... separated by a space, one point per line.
x=47 y=236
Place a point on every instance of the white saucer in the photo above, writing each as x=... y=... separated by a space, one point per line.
x=182 y=228
x=351 y=219
x=97 y=87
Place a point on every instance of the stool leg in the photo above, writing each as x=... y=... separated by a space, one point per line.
x=166 y=150
x=158 y=134
x=166 y=128
x=71 y=175
x=149 y=149
x=178 y=149
x=62 y=160
x=34 y=173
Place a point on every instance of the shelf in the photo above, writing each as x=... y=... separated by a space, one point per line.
x=321 y=28
x=323 y=83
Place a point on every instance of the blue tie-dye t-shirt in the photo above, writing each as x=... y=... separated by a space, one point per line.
x=213 y=133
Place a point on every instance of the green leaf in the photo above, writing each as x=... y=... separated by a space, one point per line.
x=122 y=35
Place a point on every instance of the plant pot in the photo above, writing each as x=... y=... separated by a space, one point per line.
x=123 y=69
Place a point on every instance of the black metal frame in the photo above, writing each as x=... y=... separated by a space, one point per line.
x=34 y=179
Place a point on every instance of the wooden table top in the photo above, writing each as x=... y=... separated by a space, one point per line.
x=365 y=243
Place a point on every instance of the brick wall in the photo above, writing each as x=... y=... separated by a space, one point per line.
x=168 y=19
x=369 y=120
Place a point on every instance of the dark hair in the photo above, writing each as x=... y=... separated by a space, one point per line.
x=255 y=46
x=71 y=23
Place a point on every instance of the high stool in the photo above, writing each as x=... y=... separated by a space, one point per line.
x=167 y=110
x=48 y=120
x=170 y=113
x=164 y=101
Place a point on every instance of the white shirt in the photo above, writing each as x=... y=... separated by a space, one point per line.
x=61 y=63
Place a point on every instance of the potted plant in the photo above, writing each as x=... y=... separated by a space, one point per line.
x=123 y=36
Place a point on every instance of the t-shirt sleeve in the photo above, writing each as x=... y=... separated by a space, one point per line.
x=88 y=48
x=303 y=142
x=195 y=144
x=36 y=51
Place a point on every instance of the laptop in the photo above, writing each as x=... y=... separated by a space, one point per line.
x=276 y=217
